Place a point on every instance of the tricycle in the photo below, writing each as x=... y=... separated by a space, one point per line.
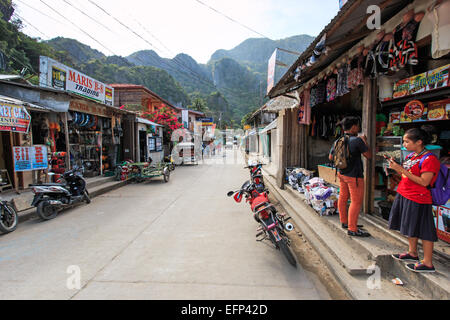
x=142 y=171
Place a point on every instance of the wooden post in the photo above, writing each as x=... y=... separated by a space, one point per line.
x=369 y=129
x=66 y=131
x=281 y=148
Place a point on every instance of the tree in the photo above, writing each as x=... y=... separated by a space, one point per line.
x=166 y=117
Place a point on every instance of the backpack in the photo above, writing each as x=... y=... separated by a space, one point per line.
x=440 y=192
x=341 y=154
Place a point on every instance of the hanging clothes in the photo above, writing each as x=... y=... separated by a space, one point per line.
x=342 y=77
x=331 y=88
x=438 y=14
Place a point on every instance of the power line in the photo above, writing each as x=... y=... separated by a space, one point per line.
x=87 y=34
x=85 y=14
x=29 y=24
x=37 y=10
x=231 y=19
x=194 y=74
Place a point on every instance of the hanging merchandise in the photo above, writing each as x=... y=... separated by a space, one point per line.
x=342 y=78
x=318 y=94
x=404 y=50
x=331 y=88
x=437 y=13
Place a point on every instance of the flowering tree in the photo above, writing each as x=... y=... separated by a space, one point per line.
x=166 y=117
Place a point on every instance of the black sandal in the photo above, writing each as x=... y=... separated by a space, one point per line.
x=359 y=233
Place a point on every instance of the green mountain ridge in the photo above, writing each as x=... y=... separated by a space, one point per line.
x=231 y=85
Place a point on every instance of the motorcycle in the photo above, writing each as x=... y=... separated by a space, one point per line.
x=273 y=225
x=50 y=198
x=8 y=217
x=256 y=172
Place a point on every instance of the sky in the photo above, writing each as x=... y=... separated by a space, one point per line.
x=170 y=27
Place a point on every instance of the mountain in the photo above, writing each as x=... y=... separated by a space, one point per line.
x=257 y=51
x=238 y=75
x=77 y=51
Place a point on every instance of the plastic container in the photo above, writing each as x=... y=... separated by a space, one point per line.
x=436 y=150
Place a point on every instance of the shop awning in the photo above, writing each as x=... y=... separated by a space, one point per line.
x=145 y=121
x=29 y=106
x=271 y=126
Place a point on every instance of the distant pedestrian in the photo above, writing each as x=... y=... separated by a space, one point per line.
x=352 y=176
x=411 y=213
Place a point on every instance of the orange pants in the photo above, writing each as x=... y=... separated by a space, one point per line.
x=352 y=188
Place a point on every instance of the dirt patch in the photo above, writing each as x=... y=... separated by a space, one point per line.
x=311 y=261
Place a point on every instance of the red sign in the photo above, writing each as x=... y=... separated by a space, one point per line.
x=14 y=118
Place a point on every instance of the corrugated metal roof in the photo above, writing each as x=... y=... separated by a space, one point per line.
x=32 y=106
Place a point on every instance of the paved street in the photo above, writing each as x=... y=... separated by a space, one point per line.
x=181 y=240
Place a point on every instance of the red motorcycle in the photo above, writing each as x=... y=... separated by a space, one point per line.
x=256 y=172
x=273 y=225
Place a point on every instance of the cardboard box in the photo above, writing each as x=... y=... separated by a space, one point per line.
x=438 y=78
x=329 y=175
x=401 y=88
x=439 y=110
x=418 y=83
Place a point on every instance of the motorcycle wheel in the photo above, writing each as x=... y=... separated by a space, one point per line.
x=87 y=198
x=287 y=252
x=46 y=211
x=9 y=220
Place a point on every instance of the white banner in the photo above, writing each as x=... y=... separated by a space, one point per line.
x=185 y=118
x=58 y=76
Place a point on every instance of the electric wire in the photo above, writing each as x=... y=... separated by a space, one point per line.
x=84 y=32
x=231 y=19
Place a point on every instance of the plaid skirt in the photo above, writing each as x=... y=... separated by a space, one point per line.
x=413 y=219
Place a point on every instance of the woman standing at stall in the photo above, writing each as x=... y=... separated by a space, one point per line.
x=411 y=213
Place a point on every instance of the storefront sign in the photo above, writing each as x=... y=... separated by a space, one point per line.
x=39 y=157
x=271 y=71
x=61 y=77
x=14 y=118
x=90 y=108
x=442 y=216
x=434 y=79
x=207 y=121
x=30 y=158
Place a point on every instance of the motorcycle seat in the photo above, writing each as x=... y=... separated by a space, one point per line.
x=47 y=185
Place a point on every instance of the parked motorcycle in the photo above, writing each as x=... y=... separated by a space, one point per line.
x=8 y=217
x=256 y=172
x=273 y=225
x=50 y=198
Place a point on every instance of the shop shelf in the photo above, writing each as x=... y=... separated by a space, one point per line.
x=430 y=95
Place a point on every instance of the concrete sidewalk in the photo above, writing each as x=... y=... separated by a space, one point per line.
x=22 y=201
x=352 y=259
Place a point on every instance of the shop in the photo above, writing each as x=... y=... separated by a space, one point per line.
x=149 y=141
x=23 y=159
x=396 y=78
x=95 y=134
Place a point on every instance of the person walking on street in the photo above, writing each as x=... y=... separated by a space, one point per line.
x=411 y=213
x=352 y=176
